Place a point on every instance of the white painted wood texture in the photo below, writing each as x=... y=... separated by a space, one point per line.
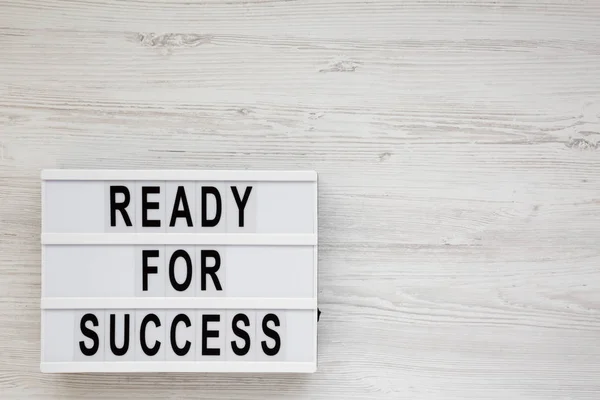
x=457 y=145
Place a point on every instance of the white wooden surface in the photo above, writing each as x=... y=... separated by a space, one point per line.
x=458 y=149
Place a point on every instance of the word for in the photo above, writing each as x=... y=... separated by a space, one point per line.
x=240 y=325
x=179 y=209
x=207 y=256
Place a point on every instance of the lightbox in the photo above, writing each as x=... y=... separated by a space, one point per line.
x=179 y=271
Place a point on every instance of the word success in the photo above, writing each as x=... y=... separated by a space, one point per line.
x=180 y=333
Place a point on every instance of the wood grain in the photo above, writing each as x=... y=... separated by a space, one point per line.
x=458 y=149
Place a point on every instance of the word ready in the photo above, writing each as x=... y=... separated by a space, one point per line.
x=178 y=208
x=179 y=271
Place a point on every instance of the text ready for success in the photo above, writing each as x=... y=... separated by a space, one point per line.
x=179 y=271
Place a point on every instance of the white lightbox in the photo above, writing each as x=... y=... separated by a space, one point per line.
x=179 y=271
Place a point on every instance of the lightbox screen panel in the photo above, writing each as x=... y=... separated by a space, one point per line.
x=179 y=271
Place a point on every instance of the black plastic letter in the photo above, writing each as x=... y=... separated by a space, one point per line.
x=89 y=333
x=149 y=351
x=212 y=271
x=114 y=206
x=180 y=351
x=241 y=203
x=240 y=351
x=180 y=287
x=148 y=269
x=149 y=205
x=177 y=213
x=272 y=334
x=113 y=346
x=205 y=191
x=206 y=318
